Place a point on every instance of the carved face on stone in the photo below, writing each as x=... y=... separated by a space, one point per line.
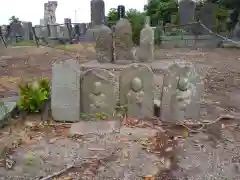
x=97 y=88
x=136 y=84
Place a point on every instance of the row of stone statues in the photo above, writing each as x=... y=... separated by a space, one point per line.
x=114 y=45
x=98 y=91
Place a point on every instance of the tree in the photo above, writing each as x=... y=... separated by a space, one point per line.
x=112 y=16
x=14 y=19
x=135 y=17
x=137 y=20
x=161 y=10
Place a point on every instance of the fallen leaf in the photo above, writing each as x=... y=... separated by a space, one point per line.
x=149 y=177
x=96 y=149
x=124 y=140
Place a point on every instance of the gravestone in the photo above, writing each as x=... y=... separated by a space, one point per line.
x=146 y=43
x=65 y=97
x=16 y=30
x=83 y=28
x=50 y=12
x=53 y=38
x=98 y=92
x=236 y=31
x=104 y=41
x=182 y=91
x=97 y=12
x=89 y=35
x=67 y=28
x=27 y=26
x=123 y=40
x=121 y=11
x=136 y=90
x=187 y=13
x=208 y=16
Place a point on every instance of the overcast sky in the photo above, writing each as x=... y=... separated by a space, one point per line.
x=30 y=10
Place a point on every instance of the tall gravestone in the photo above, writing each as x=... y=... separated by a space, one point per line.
x=27 y=26
x=50 y=12
x=98 y=92
x=236 y=31
x=67 y=28
x=187 y=12
x=104 y=42
x=123 y=40
x=136 y=90
x=208 y=15
x=97 y=12
x=146 y=51
x=183 y=88
x=121 y=11
x=65 y=97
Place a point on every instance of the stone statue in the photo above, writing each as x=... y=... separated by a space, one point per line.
x=97 y=98
x=135 y=95
x=136 y=90
x=184 y=93
x=183 y=88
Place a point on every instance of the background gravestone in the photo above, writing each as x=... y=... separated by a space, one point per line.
x=27 y=27
x=123 y=40
x=65 y=98
x=104 y=42
x=97 y=12
x=146 y=43
x=144 y=92
x=187 y=12
x=208 y=16
x=121 y=11
x=50 y=12
x=101 y=100
x=170 y=105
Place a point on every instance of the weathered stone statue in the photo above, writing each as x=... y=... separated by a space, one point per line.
x=182 y=91
x=98 y=92
x=136 y=90
x=135 y=96
x=97 y=98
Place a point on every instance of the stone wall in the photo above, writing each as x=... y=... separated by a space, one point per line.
x=189 y=41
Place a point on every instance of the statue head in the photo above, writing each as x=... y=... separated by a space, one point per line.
x=136 y=84
x=97 y=88
x=183 y=83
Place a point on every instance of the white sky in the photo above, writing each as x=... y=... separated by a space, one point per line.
x=29 y=10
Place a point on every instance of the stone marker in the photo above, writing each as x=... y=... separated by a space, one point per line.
x=208 y=16
x=65 y=99
x=182 y=91
x=27 y=26
x=136 y=90
x=146 y=52
x=104 y=42
x=97 y=12
x=186 y=11
x=123 y=40
x=98 y=92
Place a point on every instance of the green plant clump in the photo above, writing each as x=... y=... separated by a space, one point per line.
x=33 y=94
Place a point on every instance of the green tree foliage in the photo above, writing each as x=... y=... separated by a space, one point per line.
x=13 y=19
x=135 y=17
x=161 y=10
x=137 y=20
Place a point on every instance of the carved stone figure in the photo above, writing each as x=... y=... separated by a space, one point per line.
x=182 y=91
x=136 y=90
x=98 y=92
x=97 y=98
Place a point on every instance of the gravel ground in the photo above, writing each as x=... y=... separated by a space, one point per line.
x=198 y=159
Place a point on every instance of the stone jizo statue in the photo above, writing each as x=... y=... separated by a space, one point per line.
x=97 y=98
x=135 y=95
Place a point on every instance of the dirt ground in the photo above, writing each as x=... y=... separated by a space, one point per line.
x=222 y=96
